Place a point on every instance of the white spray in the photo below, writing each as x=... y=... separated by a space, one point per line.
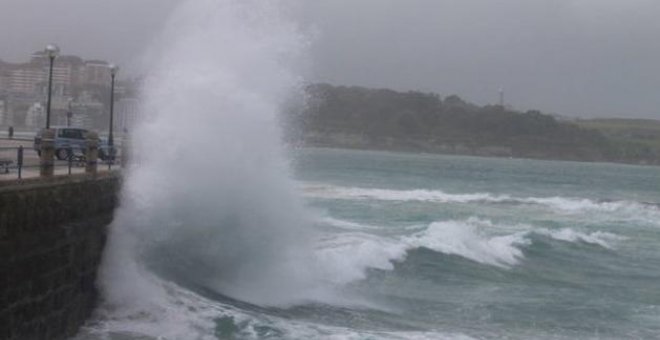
x=211 y=201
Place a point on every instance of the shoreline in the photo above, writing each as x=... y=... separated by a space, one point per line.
x=425 y=152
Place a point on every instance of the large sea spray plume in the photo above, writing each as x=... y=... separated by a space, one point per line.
x=209 y=201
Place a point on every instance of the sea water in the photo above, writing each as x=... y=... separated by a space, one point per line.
x=225 y=233
x=444 y=247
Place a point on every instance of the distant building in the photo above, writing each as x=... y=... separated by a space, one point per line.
x=127 y=113
x=87 y=112
x=80 y=86
x=70 y=73
x=96 y=72
x=26 y=79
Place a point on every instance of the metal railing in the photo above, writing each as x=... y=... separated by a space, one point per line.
x=19 y=162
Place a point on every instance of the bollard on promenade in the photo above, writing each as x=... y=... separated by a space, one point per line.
x=47 y=157
x=92 y=152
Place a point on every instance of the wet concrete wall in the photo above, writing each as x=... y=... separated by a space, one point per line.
x=52 y=234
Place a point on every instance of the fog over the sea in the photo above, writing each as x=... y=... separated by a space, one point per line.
x=573 y=57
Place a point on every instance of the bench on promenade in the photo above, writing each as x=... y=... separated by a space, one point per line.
x=5 y=163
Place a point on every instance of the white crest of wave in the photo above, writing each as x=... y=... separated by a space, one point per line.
x=348 y=225
x=464 y=239
x=338 y=192
x=601 y=238
x=346 y=256
x=569 y=205
x=211 y=202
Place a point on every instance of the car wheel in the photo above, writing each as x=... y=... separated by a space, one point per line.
x=63 y=154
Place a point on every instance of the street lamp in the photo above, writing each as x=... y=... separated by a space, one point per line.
x=69 y=113
x=113 y=72
x=51 y=51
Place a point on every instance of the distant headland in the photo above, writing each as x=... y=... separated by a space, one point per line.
x=363 y=118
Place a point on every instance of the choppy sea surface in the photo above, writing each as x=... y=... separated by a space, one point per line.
x=446 y=247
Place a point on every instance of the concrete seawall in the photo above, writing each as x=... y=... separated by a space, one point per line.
x=52 y=234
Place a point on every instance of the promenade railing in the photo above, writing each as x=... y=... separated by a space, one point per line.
x=19 y=162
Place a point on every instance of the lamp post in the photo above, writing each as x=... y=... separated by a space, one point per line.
x=51 y=51
x=69 y=114
x=113 y=72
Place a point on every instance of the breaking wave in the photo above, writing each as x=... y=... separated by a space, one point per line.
x=347 y=256
x=564 y=204
x=183 y=314
x=218 y=208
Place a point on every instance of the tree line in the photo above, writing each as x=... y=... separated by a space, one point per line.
x=359 y=117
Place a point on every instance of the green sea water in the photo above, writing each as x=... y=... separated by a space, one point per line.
x=416 y=246
x=499 y=248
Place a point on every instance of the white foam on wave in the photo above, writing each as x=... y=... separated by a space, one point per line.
x=348 y=225
x=177 y=314
x=355 y=226
x=338 y=192
x=339 y=333
x=182 y=314
x=580 y=204
x=219 y=209
x=560 y=204
x=466 y=240
x=603 y=239
x=346 y=257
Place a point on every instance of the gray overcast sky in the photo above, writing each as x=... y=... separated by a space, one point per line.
x=573 y=57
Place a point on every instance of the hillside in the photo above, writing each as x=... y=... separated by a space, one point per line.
x=356 y=117
x=644 y=131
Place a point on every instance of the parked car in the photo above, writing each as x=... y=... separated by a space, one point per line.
x=70 y=141
x=105 y=151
